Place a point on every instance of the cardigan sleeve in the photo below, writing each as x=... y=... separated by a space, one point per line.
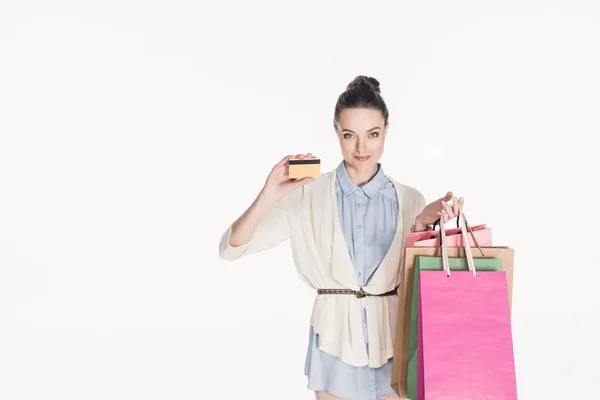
x=271 y=231
x=415 y=202
x=420 y=203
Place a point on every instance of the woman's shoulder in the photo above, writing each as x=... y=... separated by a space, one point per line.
x=411 y=198
x=407 y=191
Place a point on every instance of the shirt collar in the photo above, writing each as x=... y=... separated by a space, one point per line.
x=349 y=187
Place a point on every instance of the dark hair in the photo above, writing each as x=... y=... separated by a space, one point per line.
x=362 y=92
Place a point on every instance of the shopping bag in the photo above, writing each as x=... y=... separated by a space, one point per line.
x=405 y=294
x=483 y=236
x=465 y=344
x=479 y=235
x=428 y=263
x=434 y=263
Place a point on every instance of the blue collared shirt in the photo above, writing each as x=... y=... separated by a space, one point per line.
x=368 y=216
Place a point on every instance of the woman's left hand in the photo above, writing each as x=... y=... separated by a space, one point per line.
x=439 y=209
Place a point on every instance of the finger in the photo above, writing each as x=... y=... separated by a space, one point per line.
x=446 y=208
x=285 y=159
x=455 y=206
x=447 y=197
x=308 y=155
x=450 y=214
x=444 y=216
x=299 y=156
x=285 y=164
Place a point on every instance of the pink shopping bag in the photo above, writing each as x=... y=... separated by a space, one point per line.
x=482 y=234
x=465 y=344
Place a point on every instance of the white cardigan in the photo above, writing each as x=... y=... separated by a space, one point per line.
x=309 y=217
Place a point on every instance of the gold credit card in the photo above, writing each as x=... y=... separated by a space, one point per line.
x=302 y=168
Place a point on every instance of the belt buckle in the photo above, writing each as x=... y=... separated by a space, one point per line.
x=360 y=293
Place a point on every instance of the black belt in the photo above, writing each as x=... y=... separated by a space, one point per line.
x=358 y=293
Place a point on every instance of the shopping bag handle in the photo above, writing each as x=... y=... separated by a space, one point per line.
x=436 y=223
x=469 y=230
x=467 y=244
x=468 y=227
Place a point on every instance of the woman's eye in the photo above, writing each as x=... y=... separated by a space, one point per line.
x=349 y=135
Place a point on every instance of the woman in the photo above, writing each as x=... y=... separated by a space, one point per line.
x=347 y=229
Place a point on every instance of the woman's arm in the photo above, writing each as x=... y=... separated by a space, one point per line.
x=264 y=224
x=243 y=228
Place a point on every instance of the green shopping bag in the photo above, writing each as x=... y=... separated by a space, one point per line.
x=434 y=263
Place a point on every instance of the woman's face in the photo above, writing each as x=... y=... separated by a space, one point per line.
x=361 y=132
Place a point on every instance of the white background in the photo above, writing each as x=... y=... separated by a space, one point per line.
x=132 y=133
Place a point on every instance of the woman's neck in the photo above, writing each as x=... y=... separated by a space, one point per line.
x=362 y=177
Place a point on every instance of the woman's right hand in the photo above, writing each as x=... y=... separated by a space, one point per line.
x=278 y=183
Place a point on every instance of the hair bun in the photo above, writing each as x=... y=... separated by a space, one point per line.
x=367 y=81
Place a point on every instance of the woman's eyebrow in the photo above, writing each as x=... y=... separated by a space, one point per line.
x=348 y=130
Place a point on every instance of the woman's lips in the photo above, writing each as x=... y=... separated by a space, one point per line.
x=359 y=158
